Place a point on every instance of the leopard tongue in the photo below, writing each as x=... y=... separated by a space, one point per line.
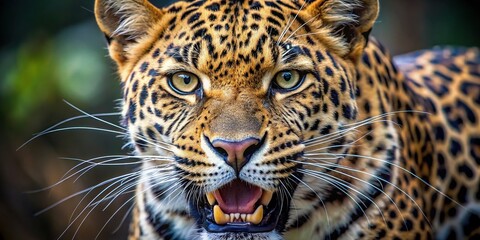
x=238 y=197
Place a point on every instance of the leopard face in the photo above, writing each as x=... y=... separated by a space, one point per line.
x=244 y=112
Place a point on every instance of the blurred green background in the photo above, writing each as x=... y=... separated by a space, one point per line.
x=51 y=51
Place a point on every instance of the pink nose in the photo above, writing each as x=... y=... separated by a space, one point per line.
x=236 y=153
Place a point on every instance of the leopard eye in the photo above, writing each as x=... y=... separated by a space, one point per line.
x=184 y=82
x=288 y=80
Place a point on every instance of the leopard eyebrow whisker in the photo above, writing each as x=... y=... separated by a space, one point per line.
x=289 y=24
x=301 y=26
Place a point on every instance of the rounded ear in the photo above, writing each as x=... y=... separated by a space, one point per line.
x=123 y=22
x=349 y=23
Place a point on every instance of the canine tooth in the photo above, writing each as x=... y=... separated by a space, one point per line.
x=211 y=199
x=219 y=216
x=266 y=197
x=243 y=216
x=257 y=216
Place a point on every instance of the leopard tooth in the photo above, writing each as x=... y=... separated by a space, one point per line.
x=237 y=215
x=211 y=199
x=243 y=216
x=220 y=217
x=266 y=197
x=257 y=216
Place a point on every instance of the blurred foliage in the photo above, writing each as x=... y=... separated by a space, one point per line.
x=42 y=70
x=52 y=51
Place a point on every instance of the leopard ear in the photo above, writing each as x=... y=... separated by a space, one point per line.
x=124 y=22
x=347 y=23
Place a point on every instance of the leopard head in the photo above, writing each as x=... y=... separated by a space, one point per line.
x=224 y=99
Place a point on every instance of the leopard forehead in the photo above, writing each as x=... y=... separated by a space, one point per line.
x=234 y=43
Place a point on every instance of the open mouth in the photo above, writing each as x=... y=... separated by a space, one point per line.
x=240 y=207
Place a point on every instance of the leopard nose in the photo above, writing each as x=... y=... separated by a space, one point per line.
x=236 y=153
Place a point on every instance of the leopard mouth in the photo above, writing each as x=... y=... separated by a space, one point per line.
x=240 y=207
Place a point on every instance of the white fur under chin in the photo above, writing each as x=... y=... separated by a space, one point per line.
x=241 y=236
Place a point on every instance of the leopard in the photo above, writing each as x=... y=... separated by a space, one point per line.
x=260 y=119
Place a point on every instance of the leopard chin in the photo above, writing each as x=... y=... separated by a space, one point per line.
x=241 y=236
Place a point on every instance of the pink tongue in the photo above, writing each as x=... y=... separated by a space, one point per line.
x=238 y=197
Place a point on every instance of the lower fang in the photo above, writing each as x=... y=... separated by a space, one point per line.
x=257 y=216
x=220 y=217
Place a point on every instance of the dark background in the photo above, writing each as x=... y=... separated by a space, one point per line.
x=51 y=51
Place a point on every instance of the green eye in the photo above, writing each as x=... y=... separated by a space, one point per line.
x=184 y=82
x=288 y=80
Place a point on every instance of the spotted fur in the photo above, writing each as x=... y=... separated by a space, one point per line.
x=364 y=148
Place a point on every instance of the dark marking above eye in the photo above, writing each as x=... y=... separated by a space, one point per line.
x=273 y=21
x=193 y=18
x=197 y=4
x=187 y=13
x=256 y=16
x=173 y=9
x=302 y=22
x=273 y=4
x=256 y=6
x=213 y=7
x=212 y=17
x=199 y=33
x=153 y=73
x=198 y=24
x=278 y=14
